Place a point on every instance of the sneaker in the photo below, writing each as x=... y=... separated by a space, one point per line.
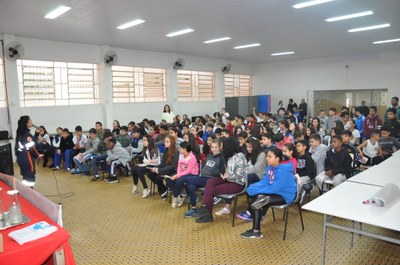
x=56 y=168
x=68 y=169
x=216 y=200
x=223 y=211
x=205 y=219
x=75 y=171
x=105 y=179
x=95 y=178
x=261 y=201
x=145 y=193
x=190 y=213
x=251 y=234
x=174 y=202
x=181 y=200
x=245 y=216
x=165 y=194
x=85 y=173
x=203 y=211
x=134 y=189
x=112 y=180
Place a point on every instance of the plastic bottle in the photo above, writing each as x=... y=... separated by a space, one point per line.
x=15 y=208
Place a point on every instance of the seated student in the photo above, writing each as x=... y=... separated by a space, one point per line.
x=242 y=137
x=159 y=141
x=232 y=181
x=267 y=141
x=290 y=155
x=213 y=167
x=225 y=133
x=135 y=147
x=99 y=130
x=187 y=166
x=370 y=149
x=277 y=187
x=167 y=166
x=153 y=132
x=209 y=130
x=123 y=138
x=185 y=129
x=283 y=128
x=195 y=131
x=175 y=133
x=393 y=123
x=90 y=150
x=131 y=125
x=101 y=153
x=388 y=143
x=207 y=148
x=116 y=128
x=346 y=138
x=151 y=156
x=65 y=144
x=116 y=155
x=281 y=140
x=190 y=138
x=217 y=132
x=338 y=165
x=305 y=165
x=318 y=152
x=43 y=143
x=79 y=141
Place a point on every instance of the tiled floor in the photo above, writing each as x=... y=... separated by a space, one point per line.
x=109 y=225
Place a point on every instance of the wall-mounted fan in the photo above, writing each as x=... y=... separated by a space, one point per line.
x=110 y=58
x=14 y=50
x=179 y=63
x=225 y=69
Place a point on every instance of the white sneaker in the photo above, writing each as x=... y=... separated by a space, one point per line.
x=134 y=189
x=181 y=200
x=223 y=211
x=146 y=193
x=174 y=202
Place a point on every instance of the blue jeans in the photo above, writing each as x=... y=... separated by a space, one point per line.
x=192 y=184
x=58 y=157
x=176 y=185
x=95 y=163
x=84 y=166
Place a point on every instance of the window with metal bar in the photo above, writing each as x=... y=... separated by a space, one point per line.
x=237 y=85
x=48 y=83
x=138 y=84
x=195 y=85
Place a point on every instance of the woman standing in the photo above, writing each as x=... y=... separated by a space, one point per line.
x=25 y=151
x=167 y=114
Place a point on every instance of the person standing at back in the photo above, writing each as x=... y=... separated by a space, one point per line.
x=372 y=122
x=167 y=114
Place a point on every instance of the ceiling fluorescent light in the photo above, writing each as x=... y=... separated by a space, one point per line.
x=131 y=24
x=247 y=46
x=360 y=14
x=281 y=53
x=180 y=32
x=311 y=3
x=217 y=40
x=385 y=41
x=57 y=12
x=369 y=28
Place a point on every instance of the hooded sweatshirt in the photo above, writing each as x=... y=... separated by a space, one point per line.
x=277 y=180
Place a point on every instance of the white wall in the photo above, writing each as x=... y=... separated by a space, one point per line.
x=292 y=79
x=106 y=112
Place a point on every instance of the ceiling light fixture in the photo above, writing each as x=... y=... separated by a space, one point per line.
x=131 y=24
x=281 y=53
x=180 y=32
x=217 y=40
x=360 y=14
x=57 y=12
x=385 y=41
x=247 y=46
x=311 y=3
x=369 y=28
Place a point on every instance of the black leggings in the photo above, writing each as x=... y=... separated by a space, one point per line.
x=275 y=199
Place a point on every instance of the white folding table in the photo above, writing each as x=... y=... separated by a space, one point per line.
x=346 y=201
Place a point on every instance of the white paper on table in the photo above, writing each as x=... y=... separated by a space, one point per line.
x=32 y=232
x=387 y=194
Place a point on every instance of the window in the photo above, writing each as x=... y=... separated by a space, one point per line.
x=2 y=85
x=237 y=85
x=138 y=84
x=196 y=86
x=47 y=83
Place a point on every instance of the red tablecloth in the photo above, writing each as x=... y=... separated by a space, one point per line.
x=37 y=251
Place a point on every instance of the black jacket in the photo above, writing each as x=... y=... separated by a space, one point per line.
x=339 y=163
x=306 y=166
